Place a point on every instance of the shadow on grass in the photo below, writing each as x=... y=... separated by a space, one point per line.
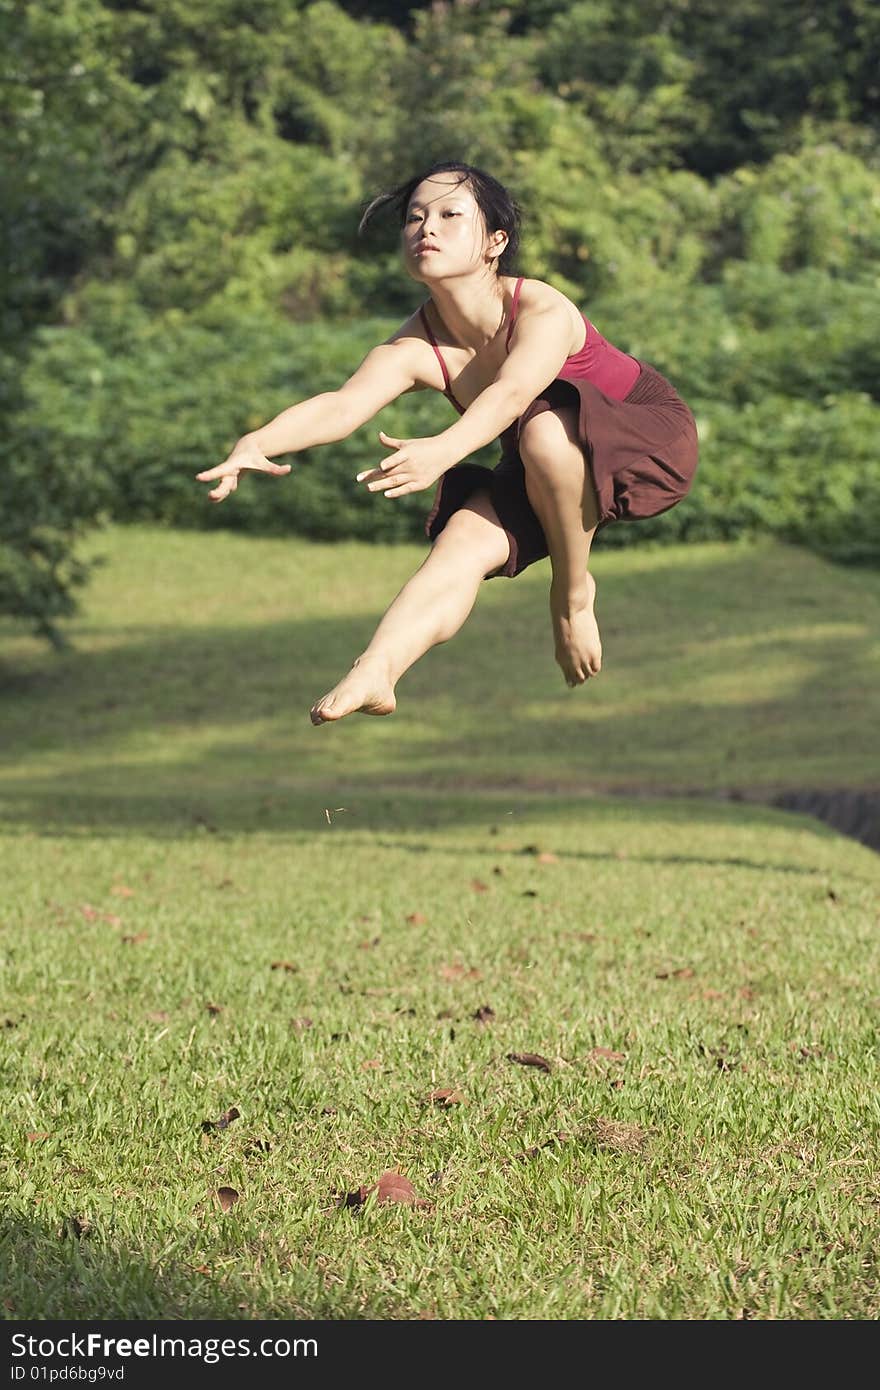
x=207 y=728
x=56 y=1272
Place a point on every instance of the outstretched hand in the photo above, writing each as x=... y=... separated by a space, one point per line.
x=414 y=465
x=226 y=473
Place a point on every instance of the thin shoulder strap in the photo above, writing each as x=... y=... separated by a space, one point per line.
x=513 y=309
x=433 y=341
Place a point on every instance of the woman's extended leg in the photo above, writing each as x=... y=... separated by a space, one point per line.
x=430 y=608
x=562 y=497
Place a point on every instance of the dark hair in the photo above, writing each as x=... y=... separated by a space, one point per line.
x=499 y=209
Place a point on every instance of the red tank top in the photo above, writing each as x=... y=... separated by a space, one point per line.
x=612 y=371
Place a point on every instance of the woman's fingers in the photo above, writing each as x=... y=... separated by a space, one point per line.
x=375 y=475
x=223 y=489
x=233 y=466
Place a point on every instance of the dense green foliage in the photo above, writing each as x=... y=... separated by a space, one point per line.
x=703 y=181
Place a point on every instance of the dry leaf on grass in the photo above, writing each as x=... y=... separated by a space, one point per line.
x=457 y=971
x=608 y=1053
x=529 y=1059
x=479 y=886
x=547 y=856
x=445 y=1098
x=35 y=1135
x=391 y=1187
x=224 y=1121
x=372 y=1064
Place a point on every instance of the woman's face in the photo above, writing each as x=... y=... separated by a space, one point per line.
x=444 y=232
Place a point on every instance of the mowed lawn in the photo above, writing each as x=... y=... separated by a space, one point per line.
x=208 y=904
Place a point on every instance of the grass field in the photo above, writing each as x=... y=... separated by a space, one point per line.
x=210 y=904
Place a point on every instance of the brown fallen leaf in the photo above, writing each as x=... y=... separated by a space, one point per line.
x=457 y=971
x=92 y=914
x=484 y=1014
x=547 y=856
x=290 y=966
x=391 y=1187
x=227 y=1197
x=446 y=1098
x=713 y=994
x=479 y=886
x=416 y=919
x=224 y=1121
x=529 y=1059
x=35 y=1135
x=372 y=1064
x=607 y=1052
x=200 y=1269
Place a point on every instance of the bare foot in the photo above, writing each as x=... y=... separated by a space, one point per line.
x=578 y=644
x=366 y=688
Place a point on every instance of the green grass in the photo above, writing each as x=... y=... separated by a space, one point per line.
x=172 y=829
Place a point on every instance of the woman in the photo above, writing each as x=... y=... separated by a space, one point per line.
x=589 y=434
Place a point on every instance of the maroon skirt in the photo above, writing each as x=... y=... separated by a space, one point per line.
x=641 y=453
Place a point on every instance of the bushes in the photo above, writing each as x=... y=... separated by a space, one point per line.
x=789 y=444
x=702 y=181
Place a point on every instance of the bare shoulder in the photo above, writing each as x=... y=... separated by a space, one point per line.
x=411 y=340
x=537 y=297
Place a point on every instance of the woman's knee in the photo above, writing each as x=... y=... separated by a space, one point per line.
x=549 y=441
x=475 y=536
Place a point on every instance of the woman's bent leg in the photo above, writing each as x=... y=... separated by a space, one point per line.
x=561 y=493
x=430 y=608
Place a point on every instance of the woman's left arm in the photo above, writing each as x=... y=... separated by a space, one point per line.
x=538 y=351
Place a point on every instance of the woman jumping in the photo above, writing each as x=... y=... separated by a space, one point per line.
x=589 y=435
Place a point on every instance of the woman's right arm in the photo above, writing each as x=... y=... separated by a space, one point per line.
x=388 y=371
